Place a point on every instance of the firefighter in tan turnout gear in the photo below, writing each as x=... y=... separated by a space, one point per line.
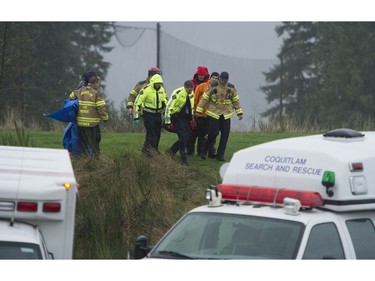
x=92 y=109
x=222 y=100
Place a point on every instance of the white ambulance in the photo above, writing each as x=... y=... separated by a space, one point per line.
x=38 y=194
x=308 y=197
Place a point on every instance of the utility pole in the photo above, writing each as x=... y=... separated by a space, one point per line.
x=120 y=28
x=158 y=45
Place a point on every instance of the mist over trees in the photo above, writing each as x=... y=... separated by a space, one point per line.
x=325 y=73
x=42 y=62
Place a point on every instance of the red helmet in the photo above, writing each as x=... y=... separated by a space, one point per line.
x=154 y=70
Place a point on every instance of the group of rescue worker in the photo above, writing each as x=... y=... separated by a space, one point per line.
x=198 y=111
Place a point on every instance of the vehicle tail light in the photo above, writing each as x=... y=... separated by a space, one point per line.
x=27 y=206
x=51 y=207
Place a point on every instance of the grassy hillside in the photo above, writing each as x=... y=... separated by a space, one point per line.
x=115 y=145
x=123 y=194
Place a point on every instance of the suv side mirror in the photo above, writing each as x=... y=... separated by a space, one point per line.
x=141 y=247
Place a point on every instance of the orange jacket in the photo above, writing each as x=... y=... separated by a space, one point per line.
x=198 y=94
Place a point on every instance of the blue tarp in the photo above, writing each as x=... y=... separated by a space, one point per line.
x=71 y=139
x=68 y=114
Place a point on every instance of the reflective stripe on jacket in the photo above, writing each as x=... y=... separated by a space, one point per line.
x=176 y=102
x=92 y=106
x=135 y=92
x=151 y=98
x=220 y=100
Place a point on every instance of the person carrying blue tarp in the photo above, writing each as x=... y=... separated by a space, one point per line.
x=85 y=109
x=92 y=109
x=68 y=114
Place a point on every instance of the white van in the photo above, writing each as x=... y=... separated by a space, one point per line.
x=308 y=197
x=38 y=194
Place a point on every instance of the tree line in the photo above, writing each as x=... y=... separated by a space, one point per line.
x=42 y=62
x=325 y=73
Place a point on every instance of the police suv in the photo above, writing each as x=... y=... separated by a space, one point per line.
x=308 y=197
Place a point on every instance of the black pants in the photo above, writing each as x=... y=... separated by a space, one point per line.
x=152 y=123
x=216 y=126
x=89 y=140
x=182 y=127
x=200 y=133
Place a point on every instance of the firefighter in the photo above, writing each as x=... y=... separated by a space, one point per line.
x=92 y=109
x=135 y=92
x=200 y=132
x=85 y=78
x=222 y=100
x=179 y=113
x=150 y=105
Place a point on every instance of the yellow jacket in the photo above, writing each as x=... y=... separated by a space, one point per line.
x=150 y=99
x=176 y=102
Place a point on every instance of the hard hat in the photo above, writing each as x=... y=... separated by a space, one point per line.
x=154 y=70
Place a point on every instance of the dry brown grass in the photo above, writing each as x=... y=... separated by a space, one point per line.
x=129 y=196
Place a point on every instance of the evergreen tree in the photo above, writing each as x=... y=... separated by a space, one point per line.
x=42 y=62
x=325 y=73
x=347 y=61
x=292 y=79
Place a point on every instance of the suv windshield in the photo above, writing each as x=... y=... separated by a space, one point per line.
x=229 y=236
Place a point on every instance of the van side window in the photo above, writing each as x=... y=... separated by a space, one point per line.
x=362 y=233
x=324 y=243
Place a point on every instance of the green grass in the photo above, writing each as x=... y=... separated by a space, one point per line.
x=123 y=194
x=114 y=145
x=16 y=137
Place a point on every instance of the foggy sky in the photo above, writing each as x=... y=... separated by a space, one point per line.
x=254 y=40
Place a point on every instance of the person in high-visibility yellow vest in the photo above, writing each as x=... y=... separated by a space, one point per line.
x=179 y=113
x=138 y=87
x=150 y=105
x=222 y=101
